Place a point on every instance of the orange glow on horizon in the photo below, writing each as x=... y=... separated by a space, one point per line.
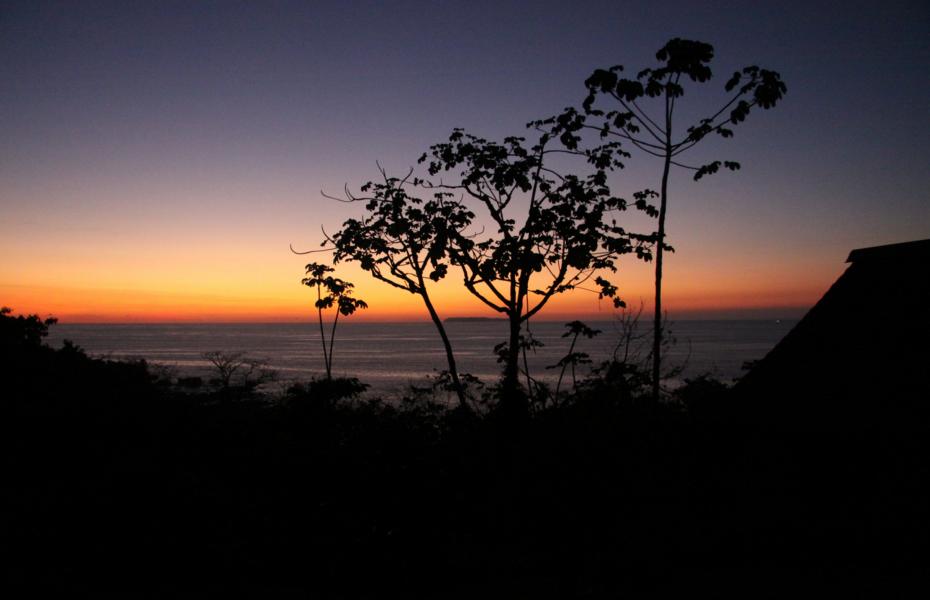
x=285 y=300
x=180 y=273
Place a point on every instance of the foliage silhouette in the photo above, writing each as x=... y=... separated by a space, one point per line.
x=323 y=392
x=572 y=358
x=331 y=292
x=22 y=331
x=442 y=381
x=402 y=241
x=567 y=234
x=626 y=121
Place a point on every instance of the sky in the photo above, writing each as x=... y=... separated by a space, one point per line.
x=157 y=159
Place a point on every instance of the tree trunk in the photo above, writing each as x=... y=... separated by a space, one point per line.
x=332 y=341
x=450 y=357
x=323 y=335
x=660 y=245
x=511 y=383
x=513 y=407
x=657 y=319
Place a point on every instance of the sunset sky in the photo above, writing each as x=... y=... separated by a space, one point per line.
x=158 y=158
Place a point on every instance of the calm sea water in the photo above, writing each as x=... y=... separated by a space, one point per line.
x=391 y=356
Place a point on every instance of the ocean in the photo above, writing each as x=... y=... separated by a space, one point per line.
x=392 y=356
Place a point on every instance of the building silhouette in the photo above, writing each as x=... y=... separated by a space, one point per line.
x=862 y=352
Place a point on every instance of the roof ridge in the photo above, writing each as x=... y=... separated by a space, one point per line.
x=916 y=250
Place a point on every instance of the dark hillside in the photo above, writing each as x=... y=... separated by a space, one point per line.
x=116 y=480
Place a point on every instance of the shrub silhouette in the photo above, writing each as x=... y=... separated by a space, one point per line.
x=237 y=372
x=573 y=359
x=324 y=392
x=21 y=332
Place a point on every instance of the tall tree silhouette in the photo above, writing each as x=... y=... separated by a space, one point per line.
x=331 y=292
x=622 y=119
x=567 y=231
x=403 y=240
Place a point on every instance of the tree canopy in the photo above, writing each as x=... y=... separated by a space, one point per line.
x=553 y=228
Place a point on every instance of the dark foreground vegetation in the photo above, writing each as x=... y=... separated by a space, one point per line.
x=114 y=479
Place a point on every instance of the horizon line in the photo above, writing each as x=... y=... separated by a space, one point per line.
x=410 y=321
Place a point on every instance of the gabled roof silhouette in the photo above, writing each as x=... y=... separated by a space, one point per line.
x=865 y=344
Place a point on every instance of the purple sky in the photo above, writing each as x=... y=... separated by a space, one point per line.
x=155 y=131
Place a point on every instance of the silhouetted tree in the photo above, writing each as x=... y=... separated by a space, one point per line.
x=331 y=292
x=567 y=234
x=402 y=241
x=628 y=122
x=249 y=373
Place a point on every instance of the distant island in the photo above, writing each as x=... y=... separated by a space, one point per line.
x=472 y=319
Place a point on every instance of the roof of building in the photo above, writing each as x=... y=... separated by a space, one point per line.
x=909 y=251
x=866 y=341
